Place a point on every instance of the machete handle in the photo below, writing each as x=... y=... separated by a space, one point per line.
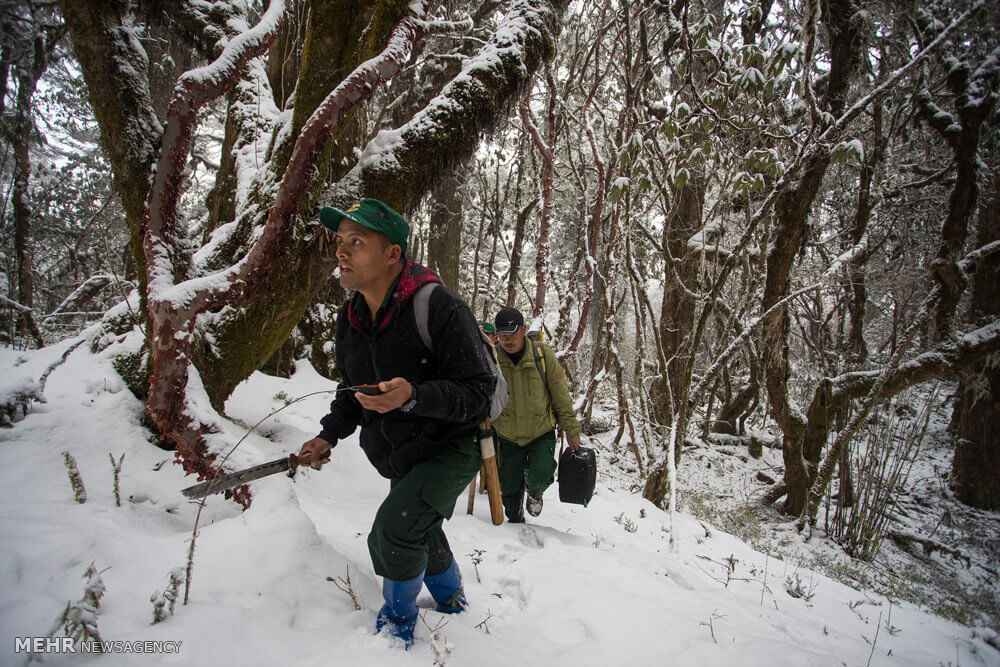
x=295 y=461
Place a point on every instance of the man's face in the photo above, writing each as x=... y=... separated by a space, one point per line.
x=363 y=255
x=512 y=343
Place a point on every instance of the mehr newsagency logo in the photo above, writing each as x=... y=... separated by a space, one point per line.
x=46 y=645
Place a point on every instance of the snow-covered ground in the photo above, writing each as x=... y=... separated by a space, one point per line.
x=577 y=586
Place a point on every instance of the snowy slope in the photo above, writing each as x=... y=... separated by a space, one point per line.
x=578 y=586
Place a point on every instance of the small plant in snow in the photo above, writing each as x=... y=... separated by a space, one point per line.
x=116 y=468
x=626 y=523
x=711 y=623
x=344 y=584
x=795 y=588
x=79 y=493
x=439 y=644
x=94 y=590
x=889 y=627
x=163 y=603
x=79 y=619
x=483 y=624
x=477 y=558
x=159 y=607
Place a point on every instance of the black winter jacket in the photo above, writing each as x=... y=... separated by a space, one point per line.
x=453 y=383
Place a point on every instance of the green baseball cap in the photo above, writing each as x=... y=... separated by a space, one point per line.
x=374 y=215
x=487 y=327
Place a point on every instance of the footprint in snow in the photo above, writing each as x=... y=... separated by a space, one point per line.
x=529 y=537
x=514 y=594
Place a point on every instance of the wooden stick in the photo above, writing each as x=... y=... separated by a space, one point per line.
x=489 y=453
x=472 y=495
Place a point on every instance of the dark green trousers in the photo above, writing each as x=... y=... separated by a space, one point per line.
x=406 y=537
x=532 y=466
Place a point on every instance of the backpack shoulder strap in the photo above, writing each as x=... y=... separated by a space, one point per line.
x=421 y=308
x=539 y=356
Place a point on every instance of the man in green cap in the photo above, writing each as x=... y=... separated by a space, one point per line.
x=418 y=428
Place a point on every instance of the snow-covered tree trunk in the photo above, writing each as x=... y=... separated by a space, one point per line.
x=967 y=81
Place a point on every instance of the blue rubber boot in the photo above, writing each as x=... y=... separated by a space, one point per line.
x=446 y=589
x=399 y=613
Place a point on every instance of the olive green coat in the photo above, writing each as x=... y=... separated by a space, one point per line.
x=532 y=409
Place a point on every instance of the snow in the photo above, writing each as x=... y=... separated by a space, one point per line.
x=21 y=388
x=576 y=586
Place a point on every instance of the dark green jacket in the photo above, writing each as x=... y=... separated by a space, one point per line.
x=532 y=408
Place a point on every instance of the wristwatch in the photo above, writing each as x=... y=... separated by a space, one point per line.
x=409 y=405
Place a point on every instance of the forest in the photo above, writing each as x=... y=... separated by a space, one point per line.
x=767 y=228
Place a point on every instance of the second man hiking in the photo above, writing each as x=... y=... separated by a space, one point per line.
x=538 y=400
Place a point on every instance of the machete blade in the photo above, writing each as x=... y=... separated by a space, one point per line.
x=226 y=482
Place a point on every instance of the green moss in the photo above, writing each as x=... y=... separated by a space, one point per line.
x=248 y=336
x=133 y=367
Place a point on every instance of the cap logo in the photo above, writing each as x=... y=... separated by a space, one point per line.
x=354 y=207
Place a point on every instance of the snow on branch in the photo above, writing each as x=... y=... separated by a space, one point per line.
x=203 y=84
x=209 y=292
x=19 y=307
x=318 y=129
x=945 y=360
x=982 y=83
x=82 y=294
x=448 y=27
x=193 y=90
x=394 y=164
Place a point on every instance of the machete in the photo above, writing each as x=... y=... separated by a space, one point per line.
x=226 y=482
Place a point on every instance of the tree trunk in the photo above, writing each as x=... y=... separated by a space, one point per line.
x=285 y=55
x=444 y=246
x=515 y=254
x=677 y=307
x=545 y=148
x=858 y=301
x=731 y=415
x=28 y=74
x=792 y=210
x=976 y=468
